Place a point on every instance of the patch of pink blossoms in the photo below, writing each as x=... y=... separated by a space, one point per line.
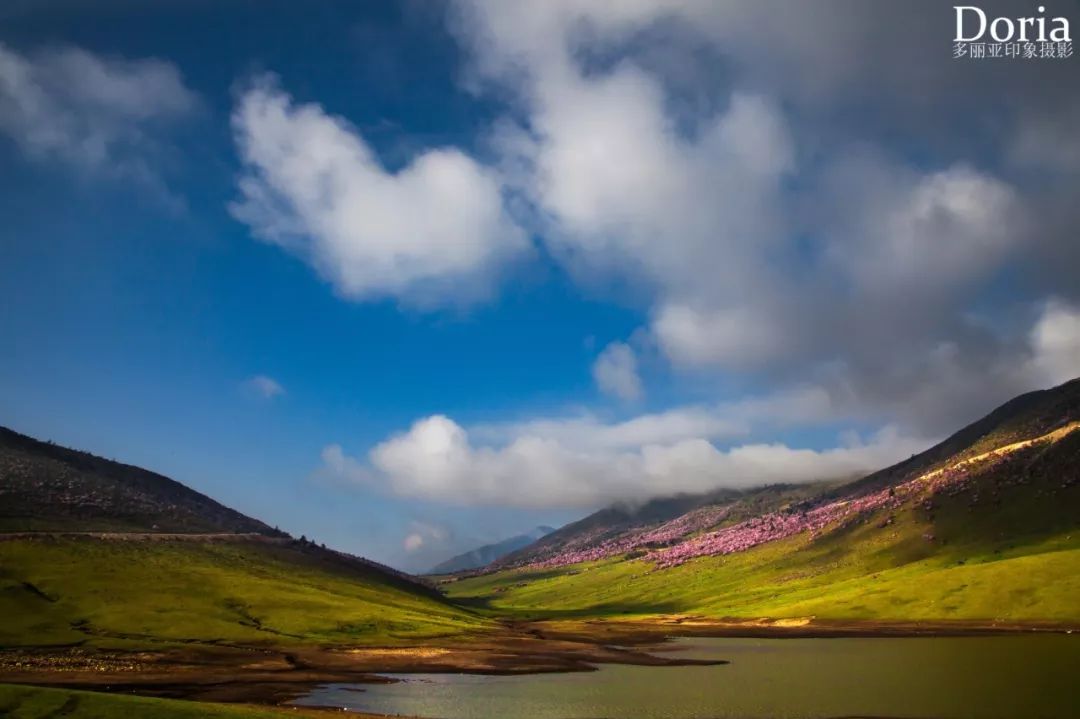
x=679 y=540
x=770 y=527
x=586 y=549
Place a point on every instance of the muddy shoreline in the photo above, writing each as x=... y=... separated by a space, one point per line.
x=275 y=676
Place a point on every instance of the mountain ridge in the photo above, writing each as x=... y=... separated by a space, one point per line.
x=664 y=522
x=48 y=487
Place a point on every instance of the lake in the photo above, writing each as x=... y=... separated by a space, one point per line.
x=1000 y=677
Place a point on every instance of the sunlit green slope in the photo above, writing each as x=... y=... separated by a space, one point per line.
x=97 y=552
x=982 y=528
x=104 y=592
x=144 y=592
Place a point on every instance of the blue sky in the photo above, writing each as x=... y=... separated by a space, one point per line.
x=370 y=270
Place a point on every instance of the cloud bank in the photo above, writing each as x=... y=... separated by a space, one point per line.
x=437 y=459
x=584 y=461
x=782 y=214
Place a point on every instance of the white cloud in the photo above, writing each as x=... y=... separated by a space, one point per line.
x=620 y=185
x=433 y=232
x=263 y=386
x=705 y=156
x=624 y=193
x=438 y=460
x=893 y=230
x=616 y=372
x=899 y=254
x=98 y=113
x=587 y=430
x=721 y=421
x=424 y=535
x=1055 y=343
x=730 y=337
x=582 y=462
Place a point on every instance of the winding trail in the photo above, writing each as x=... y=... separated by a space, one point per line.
x=1049 y=437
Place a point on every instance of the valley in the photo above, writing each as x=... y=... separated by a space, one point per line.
x=113 y=578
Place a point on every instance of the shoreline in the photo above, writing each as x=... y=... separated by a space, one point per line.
x=672 y=626
x=274 y=676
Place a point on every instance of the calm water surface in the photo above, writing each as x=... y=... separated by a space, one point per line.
x=1005 y=677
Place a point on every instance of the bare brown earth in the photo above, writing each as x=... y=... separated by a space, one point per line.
x=272 y=676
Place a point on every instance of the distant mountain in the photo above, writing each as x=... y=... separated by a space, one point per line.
x=482 y=556
x=1031 y=431
x=45 y=487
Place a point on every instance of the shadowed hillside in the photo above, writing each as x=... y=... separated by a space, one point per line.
x=51 y=488
x=1025 y=417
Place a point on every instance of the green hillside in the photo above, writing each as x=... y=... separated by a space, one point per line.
x=985 y=526
x=871 y=580
x=98 y=553
x=149 y=592
x=22 y=702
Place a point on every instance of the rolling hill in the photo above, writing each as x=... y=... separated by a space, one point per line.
x=485 y=555
x=98 y=553
x=983 y=526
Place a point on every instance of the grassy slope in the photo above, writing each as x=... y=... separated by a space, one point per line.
x=22 y=702
x=1028 y=416
x=117 y=593
x=1016 y=558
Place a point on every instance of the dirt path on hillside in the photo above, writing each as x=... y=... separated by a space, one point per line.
x=152 y=536
x=1005 y=450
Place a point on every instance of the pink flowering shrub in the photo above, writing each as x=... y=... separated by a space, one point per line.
x=772 y=526
x=780 y=525
x=694 y=534
x=589 y=547
x=693 y=521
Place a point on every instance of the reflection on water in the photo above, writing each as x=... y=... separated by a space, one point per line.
x=1004 y=677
